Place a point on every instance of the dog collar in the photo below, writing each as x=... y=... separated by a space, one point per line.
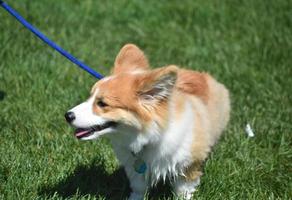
x=139 y=165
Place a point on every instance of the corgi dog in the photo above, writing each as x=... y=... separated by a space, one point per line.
x=162 y=123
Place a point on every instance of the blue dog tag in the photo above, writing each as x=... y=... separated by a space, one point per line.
x=140 y=166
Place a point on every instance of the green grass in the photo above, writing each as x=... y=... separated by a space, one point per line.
x=247 y=45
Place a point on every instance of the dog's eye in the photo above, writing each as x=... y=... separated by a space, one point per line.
x=101 y=104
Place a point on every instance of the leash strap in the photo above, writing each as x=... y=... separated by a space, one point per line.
x=48 y=41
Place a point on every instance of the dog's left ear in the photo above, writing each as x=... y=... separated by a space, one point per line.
x=158 y=84
x=130 y=58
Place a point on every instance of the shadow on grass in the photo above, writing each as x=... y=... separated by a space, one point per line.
x=2 y=95
x=94 y=180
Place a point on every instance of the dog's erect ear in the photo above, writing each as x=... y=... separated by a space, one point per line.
x=158 y=84
x=130 y=58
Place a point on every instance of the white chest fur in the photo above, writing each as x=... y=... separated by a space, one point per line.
x=166 y=154
x=172 y=153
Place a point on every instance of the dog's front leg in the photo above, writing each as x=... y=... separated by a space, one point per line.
x=128 y=160
x=137 y=183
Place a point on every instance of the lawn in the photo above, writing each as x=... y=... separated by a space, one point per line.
x=247 y=45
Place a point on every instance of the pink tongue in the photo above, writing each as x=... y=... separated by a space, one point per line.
x=81 y=133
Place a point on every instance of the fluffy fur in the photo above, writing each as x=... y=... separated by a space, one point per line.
x=168 y=118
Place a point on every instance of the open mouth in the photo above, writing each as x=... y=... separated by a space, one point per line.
x=85 y=132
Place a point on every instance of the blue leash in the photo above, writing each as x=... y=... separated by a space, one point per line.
x=48 y=41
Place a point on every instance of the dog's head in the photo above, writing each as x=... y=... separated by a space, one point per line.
x=132 y=97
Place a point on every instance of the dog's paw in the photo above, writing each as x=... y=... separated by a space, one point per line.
x=187 y=195
x=136 y=196
x=184 y=196
x=185 y=189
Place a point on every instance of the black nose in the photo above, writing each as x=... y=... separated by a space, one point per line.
x=69 y=116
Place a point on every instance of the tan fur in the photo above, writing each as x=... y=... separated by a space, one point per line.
x=122 y=92
x=194 y=83
x=130 y=58
x=127 y=95
x=209 y=121
x=194 y=170
x=211 y=106
x=124 y=98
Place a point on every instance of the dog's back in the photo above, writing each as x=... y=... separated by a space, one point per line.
x=212 y=93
